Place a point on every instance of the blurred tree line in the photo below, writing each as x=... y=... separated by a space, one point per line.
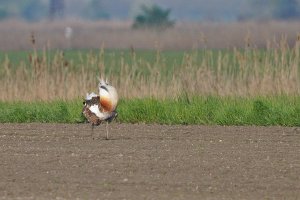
x=153 y=17
x=272 y=9
x=34 y=10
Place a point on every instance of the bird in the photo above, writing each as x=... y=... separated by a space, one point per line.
x=101 y=107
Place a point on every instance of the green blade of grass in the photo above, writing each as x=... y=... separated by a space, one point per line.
x=211 y=110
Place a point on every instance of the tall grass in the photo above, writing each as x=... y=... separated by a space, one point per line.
x=45 y=75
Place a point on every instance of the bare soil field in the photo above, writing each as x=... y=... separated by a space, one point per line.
x=62 y=161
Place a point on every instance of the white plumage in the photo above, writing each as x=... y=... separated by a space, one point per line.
x=102 y=107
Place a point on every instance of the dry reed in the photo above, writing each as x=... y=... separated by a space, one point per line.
x=246 y=72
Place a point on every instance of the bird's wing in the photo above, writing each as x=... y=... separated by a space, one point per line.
x=92 y=102
x=90 y=116
x=96 y=110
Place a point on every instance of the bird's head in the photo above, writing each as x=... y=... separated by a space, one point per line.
x=102 y=82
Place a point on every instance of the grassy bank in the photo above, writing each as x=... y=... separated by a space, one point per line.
x=281 y=110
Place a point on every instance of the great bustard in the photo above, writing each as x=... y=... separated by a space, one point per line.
x=102 y=107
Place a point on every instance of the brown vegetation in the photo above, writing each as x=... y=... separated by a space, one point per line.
x=247 y=72
x=15 y=35
x=236 y=72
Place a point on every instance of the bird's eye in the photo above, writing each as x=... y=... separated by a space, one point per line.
x=83 y=103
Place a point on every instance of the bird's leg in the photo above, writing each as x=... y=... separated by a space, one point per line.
x=107 y=130
x=92 y=133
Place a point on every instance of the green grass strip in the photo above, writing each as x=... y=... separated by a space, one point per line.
x=265 y=111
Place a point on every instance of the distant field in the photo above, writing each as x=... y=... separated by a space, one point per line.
x=110 y=57
x=16 y=35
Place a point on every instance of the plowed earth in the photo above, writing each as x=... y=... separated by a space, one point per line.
x=62 y=161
